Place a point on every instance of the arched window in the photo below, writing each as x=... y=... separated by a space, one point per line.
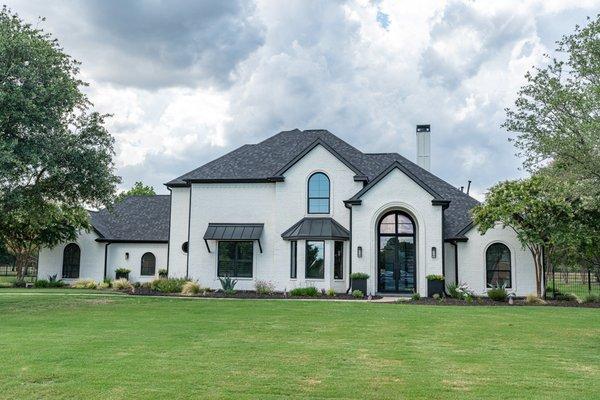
x=71 y=260
x=148 y=264
x=498 y=265
x=318 y=194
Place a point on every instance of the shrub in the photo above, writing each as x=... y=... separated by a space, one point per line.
x=359 y=275
x=566 y=297
x=53 y=278
x=108 y=281
x=310 y=291
x=330 y=292
x=169 y=285
x=497 y=292
x=41 y=283
x=122 y=284
x=190 y=288
x=85 y=284
x=264 y=287
x=416 y=296
x=532 y=299
x=19 y=283
x=435 y=277
x=163 y=273
x=460 y=291
x=228 y=285
x=592 y=298
x=103 y=285
x=358 y=294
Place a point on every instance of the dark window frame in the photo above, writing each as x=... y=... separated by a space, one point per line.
x=145 y=269
x=309 y=197
x=294 y=259
x=236 y=258
x=397 y=234
x=338 y=260
x=71 y=270
x=490 y=272
x=306 y=260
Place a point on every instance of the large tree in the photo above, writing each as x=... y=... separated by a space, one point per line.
x=556 y=117
x=138 y=189
x=541 y=218
x=55 y=153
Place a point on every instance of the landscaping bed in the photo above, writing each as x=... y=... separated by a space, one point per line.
x=243 y=294
x=484 y=301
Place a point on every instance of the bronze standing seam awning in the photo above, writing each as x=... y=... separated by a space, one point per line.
x=230 y=231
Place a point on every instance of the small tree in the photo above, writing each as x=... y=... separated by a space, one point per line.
x=55 y=154
x=138 y=189
x=538 y=216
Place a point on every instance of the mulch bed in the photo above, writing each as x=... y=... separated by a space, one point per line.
x=483 y=301
x=245 y=294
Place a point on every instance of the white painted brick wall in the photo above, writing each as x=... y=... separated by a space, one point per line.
x=116 y=259
x=180 y=198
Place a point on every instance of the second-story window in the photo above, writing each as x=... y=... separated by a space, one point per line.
x=318 y=194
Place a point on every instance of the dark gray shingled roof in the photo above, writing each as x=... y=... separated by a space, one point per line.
x=262 y=161
x=316 y=228
x=135 y=219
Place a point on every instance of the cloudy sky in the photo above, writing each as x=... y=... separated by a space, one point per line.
x=187 y=81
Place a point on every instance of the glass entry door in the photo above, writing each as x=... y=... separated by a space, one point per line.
x=396 y=262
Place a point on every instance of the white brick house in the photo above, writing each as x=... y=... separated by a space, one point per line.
x=302 y=208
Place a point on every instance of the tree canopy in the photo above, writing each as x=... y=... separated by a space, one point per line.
x=138 y=189
x=55 y=153
x=556 y=117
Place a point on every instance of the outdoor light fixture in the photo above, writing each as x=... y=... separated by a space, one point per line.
x=433 y=252
x=127 y=256
x=359 y=252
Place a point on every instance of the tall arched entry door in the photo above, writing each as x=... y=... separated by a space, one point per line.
x=396 y=261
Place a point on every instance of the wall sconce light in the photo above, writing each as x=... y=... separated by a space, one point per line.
x=359 y=252
x=433 y=252
x=127 y=256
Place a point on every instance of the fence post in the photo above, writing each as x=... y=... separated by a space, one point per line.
x=589 y=280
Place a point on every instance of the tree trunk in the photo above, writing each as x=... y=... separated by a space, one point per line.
x=21 y=263
x=537 y=260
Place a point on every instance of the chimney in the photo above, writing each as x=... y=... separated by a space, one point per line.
x=424 y=146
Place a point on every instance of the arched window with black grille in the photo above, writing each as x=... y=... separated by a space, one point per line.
x=318 y=194
x=498 y=265
x=148 y=264
x=71 y=261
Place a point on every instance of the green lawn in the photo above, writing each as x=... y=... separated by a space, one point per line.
x=83 y=345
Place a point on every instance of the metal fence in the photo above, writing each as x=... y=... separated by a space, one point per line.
x=8 y=273
x=580 y=283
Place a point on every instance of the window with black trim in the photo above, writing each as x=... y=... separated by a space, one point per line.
x=318 y=194
x=338 y=260
x=148 y=264
x=235 y=259
x=71 y=261
x=498 y=265
x=315 y=260
x=293 y=259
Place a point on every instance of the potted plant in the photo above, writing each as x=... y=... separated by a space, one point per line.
x=359 y=281
x=122 y=273
x=163 y=273
x=435 y=285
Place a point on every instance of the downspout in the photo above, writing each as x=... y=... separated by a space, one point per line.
x=105 y=257
x=187 y=266
x=455 y=261
x=443 y=252
x=169 y=237
x=350 y=255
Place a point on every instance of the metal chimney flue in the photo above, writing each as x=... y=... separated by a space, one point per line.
x=424 y=146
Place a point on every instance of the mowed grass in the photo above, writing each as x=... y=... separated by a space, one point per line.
x=100 y=346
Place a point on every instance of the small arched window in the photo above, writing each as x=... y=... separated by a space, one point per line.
x=148 y=264
x=185 y=247
x=498 y=265
x=318 y=194
x=71 y=261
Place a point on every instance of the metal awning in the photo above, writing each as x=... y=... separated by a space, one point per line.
x=226 y=231
x=316 y=228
